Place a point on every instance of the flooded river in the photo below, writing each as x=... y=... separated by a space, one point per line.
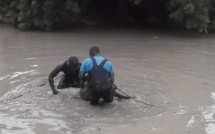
x=174 y=72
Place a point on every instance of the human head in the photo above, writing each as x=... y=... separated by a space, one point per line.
x=73 y=61
x=94 y=51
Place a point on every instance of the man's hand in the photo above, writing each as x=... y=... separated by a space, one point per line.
x=51 y=76
x=55 y=92
x=114 y=86
x=86 y=77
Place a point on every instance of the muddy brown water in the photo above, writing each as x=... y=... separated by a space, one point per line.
x=175 y=72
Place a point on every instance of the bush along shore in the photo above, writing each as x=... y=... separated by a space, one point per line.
x=48 y=14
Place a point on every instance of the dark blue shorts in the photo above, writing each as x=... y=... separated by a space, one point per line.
x=66 y=82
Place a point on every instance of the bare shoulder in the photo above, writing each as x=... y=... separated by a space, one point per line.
x=59 y=67
x=56 y=70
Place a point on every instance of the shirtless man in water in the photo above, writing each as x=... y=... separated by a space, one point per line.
x=70 y=78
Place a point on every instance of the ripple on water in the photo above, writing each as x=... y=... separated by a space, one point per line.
x=30 y=105
x=203 y=114
x=209 y=118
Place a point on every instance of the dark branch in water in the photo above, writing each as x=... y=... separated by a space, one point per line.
x=16 y=97
x=136 y=99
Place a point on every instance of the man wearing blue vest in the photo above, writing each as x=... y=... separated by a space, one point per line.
x=100 y=73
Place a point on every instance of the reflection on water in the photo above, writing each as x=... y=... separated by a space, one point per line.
x=34 y=65
x=202 y=114
x=31 y=58
x=2 y=78
x=10 y=125
x=19 y=76
x=209 y=116
x=30 y=72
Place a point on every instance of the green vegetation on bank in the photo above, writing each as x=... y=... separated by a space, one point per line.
x=47 y=14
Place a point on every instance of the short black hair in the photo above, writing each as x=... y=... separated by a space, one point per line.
x=94 y=51
x=74 y=60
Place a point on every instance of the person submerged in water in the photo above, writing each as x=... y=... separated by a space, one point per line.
x=70 y=78
x=97 y=79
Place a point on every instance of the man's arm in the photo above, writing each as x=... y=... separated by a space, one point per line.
x=82 y=79
x=51 y=76
x=112 y=77
x=109 y=67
